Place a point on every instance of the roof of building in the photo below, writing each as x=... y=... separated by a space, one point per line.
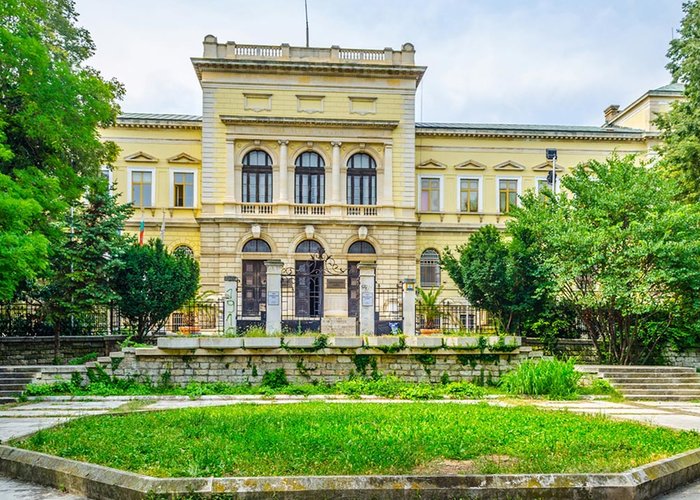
x=671 y=88
x=161 y=120
x=517 y=130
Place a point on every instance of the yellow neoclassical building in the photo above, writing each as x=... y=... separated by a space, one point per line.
x=301 y=151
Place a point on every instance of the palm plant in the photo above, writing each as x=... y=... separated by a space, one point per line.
x=429 y=306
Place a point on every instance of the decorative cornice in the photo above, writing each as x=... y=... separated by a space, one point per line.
x=183 y=158
x=509 y=165
x=602 y=135
x=547 y=167
x=167 y=121
x=470 y=165
x=308 y=122
x=431 y=164
x=141 y=157
x=300 y=67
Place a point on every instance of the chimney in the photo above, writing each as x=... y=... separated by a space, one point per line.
x=611 y=113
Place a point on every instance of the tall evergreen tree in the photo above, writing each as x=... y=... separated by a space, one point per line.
x=680 y=127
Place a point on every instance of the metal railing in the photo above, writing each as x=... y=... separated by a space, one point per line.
x=450 y=317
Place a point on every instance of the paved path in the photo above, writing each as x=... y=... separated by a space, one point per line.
x=23 y=419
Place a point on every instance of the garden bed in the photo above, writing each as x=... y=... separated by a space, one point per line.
x=353 y=439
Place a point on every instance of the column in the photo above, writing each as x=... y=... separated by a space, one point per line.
x=367 y=273
x=230 y=171
x=284 y=174
x=335 y=173
x=274 y=297
x=409 y=306
x=388 y=188
x=230 y=304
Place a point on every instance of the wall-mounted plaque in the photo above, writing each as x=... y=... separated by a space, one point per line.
x=273 y=298
x=336 y=283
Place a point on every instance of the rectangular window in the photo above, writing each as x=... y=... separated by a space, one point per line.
x=183 y=189
x=507 y=194
x=430 y=195
x=141 y=188
x=469 y=195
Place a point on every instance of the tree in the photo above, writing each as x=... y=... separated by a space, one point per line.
x=151 y=283
x=51 y=104
x=498 y=276
x=680 y=127
x=623 y=253
x=83 y=263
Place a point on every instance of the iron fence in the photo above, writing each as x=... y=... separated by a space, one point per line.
x=448 y=316
x=30 y=318
x=388 y=308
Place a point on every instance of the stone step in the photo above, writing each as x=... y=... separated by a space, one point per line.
x=9 y=393
x=11 y=387
x=653 y=371
x=649 y=376
x=104 y=359
x=668 y=381
x=4 y=400
x=20 y=377
x=658 y=385
x=665 y=397
x=660 y=392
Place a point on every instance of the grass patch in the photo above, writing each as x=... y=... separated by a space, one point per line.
x=327 y=439
x=553 y=378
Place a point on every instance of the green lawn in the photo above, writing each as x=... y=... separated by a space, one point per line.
x=356 y=438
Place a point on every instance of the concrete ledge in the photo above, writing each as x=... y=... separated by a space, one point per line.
x=100 y=482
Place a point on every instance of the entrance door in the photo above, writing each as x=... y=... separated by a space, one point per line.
x=254 y=286
x=308 y=293
x=353 y=290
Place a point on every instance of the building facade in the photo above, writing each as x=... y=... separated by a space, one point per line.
x=307 y=151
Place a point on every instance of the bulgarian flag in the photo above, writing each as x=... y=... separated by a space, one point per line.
x=142 y=229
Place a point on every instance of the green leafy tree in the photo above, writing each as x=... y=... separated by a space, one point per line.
x=151 y=283
x=499 y=276
x=51 y=104
x=622 y=253
x=83 y=263
x=680 y=127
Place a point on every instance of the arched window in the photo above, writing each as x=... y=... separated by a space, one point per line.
x=257 y=245
x=361 y=247
x=362 y=180
x=257 y=177
x=183 y=250
x=430 y=268
x=309 y=247
x=309 y=178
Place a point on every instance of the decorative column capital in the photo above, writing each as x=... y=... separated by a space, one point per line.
x=388 y=145
x=336 y=144
x=283 y=142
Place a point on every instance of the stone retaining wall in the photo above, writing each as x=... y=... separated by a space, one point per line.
x=689 y=357
x=328 y=365
x=40 y=350
x=581 y=349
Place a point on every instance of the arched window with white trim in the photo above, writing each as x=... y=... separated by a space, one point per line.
x=362 y=180
x=257 y=177
x=309 y=178
x=430 y=268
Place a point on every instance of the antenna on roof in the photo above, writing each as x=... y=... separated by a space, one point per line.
x=306 y=14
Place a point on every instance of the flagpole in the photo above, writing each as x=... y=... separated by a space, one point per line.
x=306 y=14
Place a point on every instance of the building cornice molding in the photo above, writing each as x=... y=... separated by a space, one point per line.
x=157 y=123
x=308 y=122
x=603 y=135
x=300 y=67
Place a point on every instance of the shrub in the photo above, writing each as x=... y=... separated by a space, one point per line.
x=553 y=378
x=81 y=360
x=275 y=379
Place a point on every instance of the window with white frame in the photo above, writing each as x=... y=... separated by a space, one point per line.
x=183 y=189
x=141 y=188
x=508 y=190
x=469 y=194
x=430 y=200
x=541 y=185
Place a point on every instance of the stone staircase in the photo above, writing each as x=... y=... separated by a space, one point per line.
x=13 y=380
x=661 y=383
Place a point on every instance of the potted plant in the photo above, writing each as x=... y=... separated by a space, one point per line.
x=429 y=308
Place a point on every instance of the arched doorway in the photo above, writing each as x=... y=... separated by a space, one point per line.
x=254 y=282
x=357 y=248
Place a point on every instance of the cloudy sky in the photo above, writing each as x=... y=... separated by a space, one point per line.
x=510 y=61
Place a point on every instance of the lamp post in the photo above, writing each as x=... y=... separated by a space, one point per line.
x=551 y=154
